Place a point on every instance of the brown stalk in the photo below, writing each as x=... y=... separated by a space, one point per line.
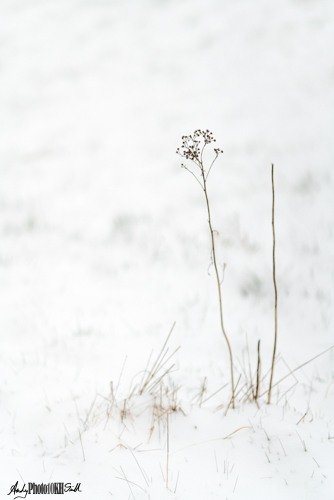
x=167 y=465
x=218 y=282
x=258 y=371
x=275 y=286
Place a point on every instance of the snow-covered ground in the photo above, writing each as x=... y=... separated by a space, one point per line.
x=104 y=244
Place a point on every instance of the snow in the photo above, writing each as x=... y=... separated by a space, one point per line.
x=105 y=244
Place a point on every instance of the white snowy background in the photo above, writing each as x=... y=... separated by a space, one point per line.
x=104 y=243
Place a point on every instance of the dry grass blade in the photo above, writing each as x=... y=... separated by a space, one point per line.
x=130 y=482
x=124 y=478
x=211 y=396
x=211 y=440
x=139 y=466
x=177 y=480
x=146 y=369
x=157 y=382
x=301 y=418
x=83 y=453
x=120 y=377
x=161 y=360
x=299 y=367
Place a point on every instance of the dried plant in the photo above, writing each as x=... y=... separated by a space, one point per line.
x=275 y=286
x=153 y=376
x=192 y=149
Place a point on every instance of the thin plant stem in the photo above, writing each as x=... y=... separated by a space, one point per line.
x=218 y=283
x=275 y=286
x=167 y=465
x=83 y=453
x=193 y=150
x=258 y=371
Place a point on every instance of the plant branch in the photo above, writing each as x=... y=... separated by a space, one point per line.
x=207 y=175
x=192 y=173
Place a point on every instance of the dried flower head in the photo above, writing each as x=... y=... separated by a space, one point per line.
x=193 y=146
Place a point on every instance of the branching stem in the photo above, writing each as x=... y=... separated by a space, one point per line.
x=192 y=149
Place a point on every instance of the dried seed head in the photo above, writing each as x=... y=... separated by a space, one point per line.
x=193 y=145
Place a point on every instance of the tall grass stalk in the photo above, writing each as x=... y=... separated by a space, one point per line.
x=192 y=149
x=275 y=286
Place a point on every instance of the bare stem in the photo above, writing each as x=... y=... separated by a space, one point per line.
x=218 y=283
x=275 y=287
x=167 y=465
x=258 y=370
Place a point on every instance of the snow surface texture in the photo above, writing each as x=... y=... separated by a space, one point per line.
x=105 y=243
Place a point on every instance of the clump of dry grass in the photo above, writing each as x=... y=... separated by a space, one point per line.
x=153 y=375
x=155 y=393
